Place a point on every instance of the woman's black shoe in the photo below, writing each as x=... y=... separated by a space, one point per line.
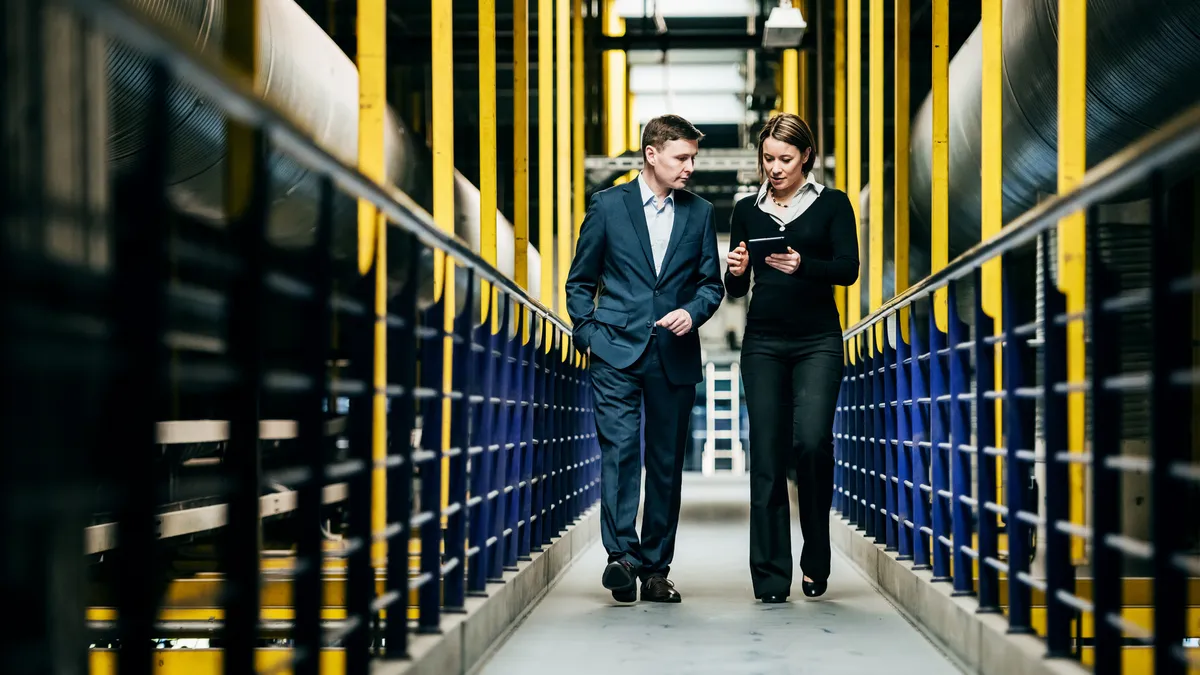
x=814 y=589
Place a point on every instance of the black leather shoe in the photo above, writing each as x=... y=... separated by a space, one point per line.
x=814 y=589
x=774 y=599
x=619 y=578
x=659 y=589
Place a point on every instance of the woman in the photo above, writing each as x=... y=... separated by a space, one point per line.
x=792 y=351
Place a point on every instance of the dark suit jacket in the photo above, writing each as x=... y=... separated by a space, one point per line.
x=613 y=296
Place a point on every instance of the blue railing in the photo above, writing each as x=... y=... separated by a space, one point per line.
x=507 y=457
x=916 y=446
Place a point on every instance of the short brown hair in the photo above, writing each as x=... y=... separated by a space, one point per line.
x=668 y=128
x=790 y=129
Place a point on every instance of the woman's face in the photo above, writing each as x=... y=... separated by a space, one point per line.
x=783 y=165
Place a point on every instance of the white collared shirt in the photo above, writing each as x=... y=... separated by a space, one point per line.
x=660 y=220
x=808 y=194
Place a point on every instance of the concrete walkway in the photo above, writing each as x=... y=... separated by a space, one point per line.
x=719 y=629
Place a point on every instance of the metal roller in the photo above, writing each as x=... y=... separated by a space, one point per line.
x=310 y=79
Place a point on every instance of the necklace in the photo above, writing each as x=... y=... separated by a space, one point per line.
x=782 y=205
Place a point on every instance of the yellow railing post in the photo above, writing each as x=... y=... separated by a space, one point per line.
x=521 y=143
x=487 y=146
x=839 y=124
x=563 y=163
x=545 y=51
x=372 y=106
x=1072 y=265
x=442 y=31
x=940 y=211
x=854 y=141
x=991 y=215
x=580 y=186
x=900 y=238
x=875 y=165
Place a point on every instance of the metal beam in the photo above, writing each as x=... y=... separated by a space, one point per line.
x=200 y=661
x=682 y=40
x=709 y=160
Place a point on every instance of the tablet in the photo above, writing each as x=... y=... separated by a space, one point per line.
x=761 y=248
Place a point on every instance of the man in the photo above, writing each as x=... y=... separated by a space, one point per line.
x=646 y=275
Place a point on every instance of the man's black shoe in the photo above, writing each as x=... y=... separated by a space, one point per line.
x=618 y=578
x=774 y=598
x=659 y=589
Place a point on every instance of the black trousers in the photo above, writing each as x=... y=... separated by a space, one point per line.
x=619 y=396
x=791 y=387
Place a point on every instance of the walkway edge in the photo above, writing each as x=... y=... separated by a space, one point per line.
x=466 y=638
x=980 y=641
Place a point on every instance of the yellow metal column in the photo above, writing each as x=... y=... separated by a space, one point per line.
x=991 y=216
x=802 y=71
x=545 y=90
x=1072 y=163
x=563 y=163
x=875 y=154
x=790 y=82
x=839 y=123
x=442 y=31
x=372 y=106
x=854 y=141
x=487 y=147
x=521 y=143
x=900 y=239
x=940 y=233
x=580 y=187
x=615 y=87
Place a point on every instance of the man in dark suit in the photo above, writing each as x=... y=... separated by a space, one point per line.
x=645 y=276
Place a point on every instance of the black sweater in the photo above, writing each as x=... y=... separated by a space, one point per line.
x=798 y=304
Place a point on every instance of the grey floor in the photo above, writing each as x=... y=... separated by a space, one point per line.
x=719 y=629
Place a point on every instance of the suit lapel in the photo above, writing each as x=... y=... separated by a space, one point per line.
x=637 y=215
x=682 y=212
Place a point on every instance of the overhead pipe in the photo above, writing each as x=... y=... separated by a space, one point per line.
x=315 y=84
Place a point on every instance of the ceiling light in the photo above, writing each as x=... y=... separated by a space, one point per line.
x=784 y=28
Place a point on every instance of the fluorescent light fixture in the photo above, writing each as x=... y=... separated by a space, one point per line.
x=784 y=28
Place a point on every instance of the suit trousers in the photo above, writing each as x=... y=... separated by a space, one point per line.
x=620 y=396
x=791 y=386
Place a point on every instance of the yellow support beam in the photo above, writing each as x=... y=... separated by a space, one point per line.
x=875 y=152
x=902 y=125
x=487 y=146
x=194 y=661
x=802 y=71
x=521 y=143
x=790 y=81
x=579 y=119
x=442 y=43
x=839 y=124
x=563 y=163
x=854 y=141
x=545 y=88
x=940 y=216
x=991 y=177
x=1072 y=266
x=372 y=107
x=615 y=84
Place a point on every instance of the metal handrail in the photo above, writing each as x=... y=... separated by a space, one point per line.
x=1133 y=165
x=216 y=80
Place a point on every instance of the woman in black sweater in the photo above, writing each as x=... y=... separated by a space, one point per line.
x=792 y=351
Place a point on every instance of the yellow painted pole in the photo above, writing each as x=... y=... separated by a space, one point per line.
x=1072 y=163
x=545 y=89
x=854 y=140
x=442 y=31
x=790 y=81
x=487 y=145
x=992 y=175
x=614 y=84
x=563 y=163
x=900 y=238
x=802 y=70
x=521 y=143
x=580 y=187
x=940 y=215
x=875 y=153
x=839 y=123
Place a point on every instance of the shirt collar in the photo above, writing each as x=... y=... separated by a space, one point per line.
x=809 y=184
x=648 y=194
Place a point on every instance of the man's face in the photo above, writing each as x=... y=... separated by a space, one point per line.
x=674 y=163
